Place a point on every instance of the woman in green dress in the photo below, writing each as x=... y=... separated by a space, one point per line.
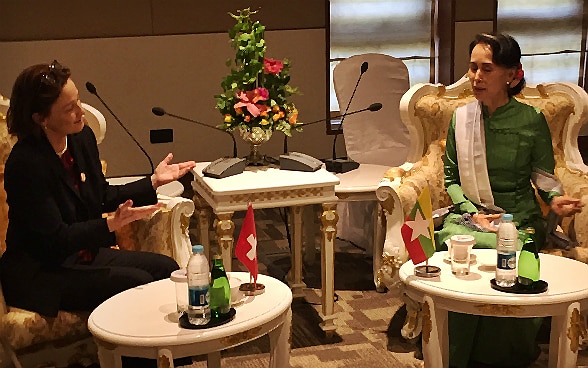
x=496 y=148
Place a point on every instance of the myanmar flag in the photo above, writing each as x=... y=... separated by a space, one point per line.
x=417 y=230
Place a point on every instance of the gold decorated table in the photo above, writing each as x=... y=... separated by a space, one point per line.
x=565 y=300
x=268 y=187
x=143 y=322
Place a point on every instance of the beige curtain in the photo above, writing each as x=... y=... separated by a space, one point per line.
x=399 y=28
x=550 y=35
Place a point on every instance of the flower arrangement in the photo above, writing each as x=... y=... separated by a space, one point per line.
x=256 y=91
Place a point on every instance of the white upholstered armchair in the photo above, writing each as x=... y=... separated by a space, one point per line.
x=426 y=109
x=29 y=339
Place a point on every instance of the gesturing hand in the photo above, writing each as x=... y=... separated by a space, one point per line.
x=165 y=172
x=126 y=213
x=566 y=205
x=486 y=221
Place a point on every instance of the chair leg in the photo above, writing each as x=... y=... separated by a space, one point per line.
x=379 y=230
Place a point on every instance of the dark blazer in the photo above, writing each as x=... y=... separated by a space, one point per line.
x=49 y=221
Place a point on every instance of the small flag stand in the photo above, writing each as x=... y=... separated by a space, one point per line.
x=418 y=235
x=246 y=252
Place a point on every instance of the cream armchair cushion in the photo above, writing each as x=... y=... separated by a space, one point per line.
x=427 y=109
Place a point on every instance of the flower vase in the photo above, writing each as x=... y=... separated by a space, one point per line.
x=256 y=136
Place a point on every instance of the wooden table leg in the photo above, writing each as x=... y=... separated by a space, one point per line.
x=435 y=335
x=379 y=230
x=280 y=338
x=295 y=274
x=202 y=212
x=329 y=220
x=107 y=355
x=213 y=360
x=225 y=228
x=165 y=359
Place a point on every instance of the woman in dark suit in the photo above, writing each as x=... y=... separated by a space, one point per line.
x=58 y=252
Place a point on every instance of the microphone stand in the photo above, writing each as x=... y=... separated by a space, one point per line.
x=92 y=89
x=373 y=107
x=157 y=110
x=343 y=165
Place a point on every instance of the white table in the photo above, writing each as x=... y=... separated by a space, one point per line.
x=269 y=188
x=143 y=322
x=360 y=185
x=564 y=300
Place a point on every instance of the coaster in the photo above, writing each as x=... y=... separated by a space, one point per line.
x=250 y=289
x=536 y=287
x=427 y=271
x=214 y=322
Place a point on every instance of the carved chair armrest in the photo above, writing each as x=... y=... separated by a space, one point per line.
x=165 y=231
x=398 y=193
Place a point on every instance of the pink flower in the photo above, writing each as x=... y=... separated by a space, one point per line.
x=249 y=100
x=272 y=66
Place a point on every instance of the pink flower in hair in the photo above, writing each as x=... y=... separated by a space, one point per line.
x=520 y=73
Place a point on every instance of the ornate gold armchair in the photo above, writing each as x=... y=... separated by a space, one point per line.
x=29 y=339
x=426 y=109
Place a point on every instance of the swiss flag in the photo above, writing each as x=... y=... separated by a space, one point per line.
x=246 y=248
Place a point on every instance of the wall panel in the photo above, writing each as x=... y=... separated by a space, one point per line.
x=181 y=73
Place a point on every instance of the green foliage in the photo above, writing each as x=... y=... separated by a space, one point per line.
x=256 y=91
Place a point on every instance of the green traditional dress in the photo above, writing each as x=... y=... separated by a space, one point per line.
x=517 y=145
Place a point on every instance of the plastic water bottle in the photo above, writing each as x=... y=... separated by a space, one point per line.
x=198 y=287
x=506 y=248
x=220 y=290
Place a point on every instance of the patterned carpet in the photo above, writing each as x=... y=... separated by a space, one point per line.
x=368 y=322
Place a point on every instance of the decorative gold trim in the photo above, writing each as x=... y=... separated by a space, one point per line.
x=329 y=219
x=184 y=223
x=271 y=196
x=500 y=310
x=388 y=204
x=427 y=323
x=224 y=230
x=163 y=362
x=391 y=264
x=577 y=330
x=240 y=337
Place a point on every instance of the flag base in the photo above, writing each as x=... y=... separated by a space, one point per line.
x=251 y=289
x=427 y=271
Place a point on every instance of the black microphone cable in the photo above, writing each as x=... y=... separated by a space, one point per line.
x=159 y=111
x=363 y=69
x=92 y=89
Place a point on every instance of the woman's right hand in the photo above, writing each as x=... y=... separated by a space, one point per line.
x=126 y=213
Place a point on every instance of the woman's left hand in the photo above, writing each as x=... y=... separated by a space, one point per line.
x=566 y=205
x=166 y=173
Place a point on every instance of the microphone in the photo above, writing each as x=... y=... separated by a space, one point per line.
x=301 y=162
x=160 y=112
x=92 y=89
x=373 y=107
x=344 y=165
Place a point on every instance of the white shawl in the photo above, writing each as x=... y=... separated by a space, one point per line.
x=470 y=145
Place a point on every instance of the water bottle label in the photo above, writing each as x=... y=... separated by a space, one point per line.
x=198 y=296
x=507 y=261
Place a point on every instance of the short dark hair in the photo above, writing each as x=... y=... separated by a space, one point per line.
x=35 y=90
x=506 y=53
